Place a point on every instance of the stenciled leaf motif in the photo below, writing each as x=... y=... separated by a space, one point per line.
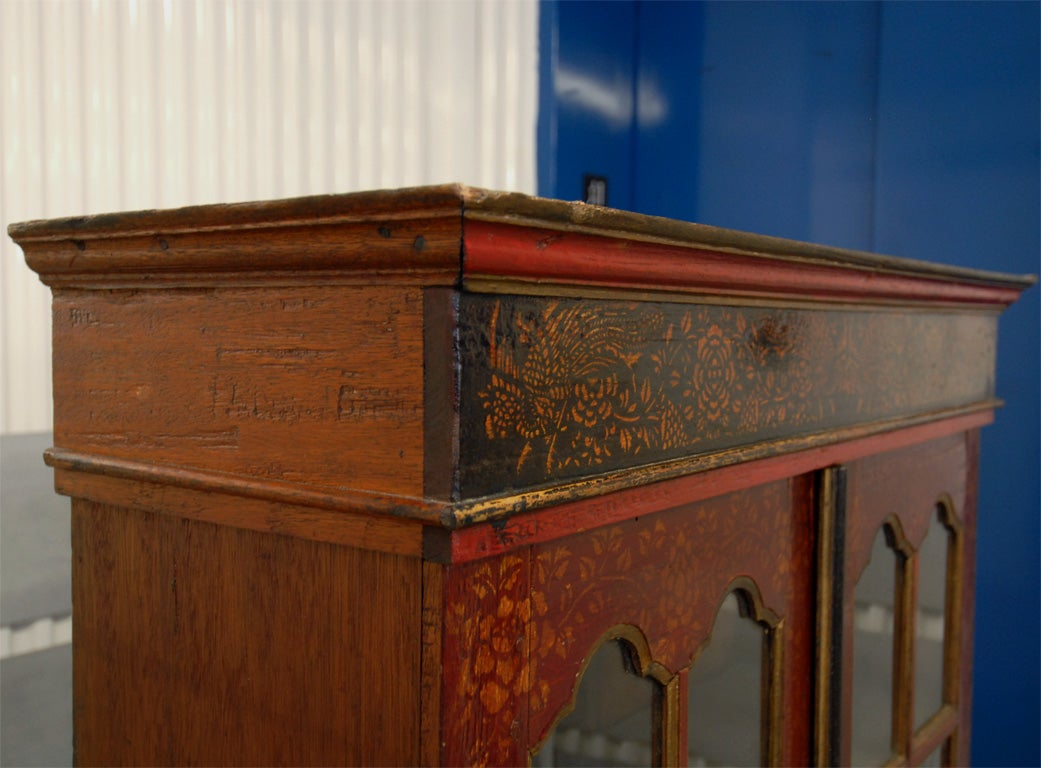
x=568 y=386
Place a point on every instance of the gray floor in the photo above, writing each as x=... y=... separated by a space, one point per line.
x=36 y=708
x=35 y=559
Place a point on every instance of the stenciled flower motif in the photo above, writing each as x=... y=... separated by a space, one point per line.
x=713 y=375
x=592 y=401
x=566 y=387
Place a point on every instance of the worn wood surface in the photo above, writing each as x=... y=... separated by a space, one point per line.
x=201 y=644
x=317 y=386
x=409 y=236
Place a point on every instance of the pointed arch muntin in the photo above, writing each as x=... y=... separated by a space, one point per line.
x=638 y=660
x=752 y=606
x=941 y=730
x=953 y=586
x=909 y=743
x=904 y=607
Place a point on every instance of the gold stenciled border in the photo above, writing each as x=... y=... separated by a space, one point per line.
x=557 y=389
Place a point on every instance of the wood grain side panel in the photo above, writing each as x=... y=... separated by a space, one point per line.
x=558 y=389
x=204 y=645
x=431 y=677
x=318 y=385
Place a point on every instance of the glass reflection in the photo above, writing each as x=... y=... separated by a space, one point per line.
x=930 y=621
x=874 y=603
x=612 y=723
x=724 y=717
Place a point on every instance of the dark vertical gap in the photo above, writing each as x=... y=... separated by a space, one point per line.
x=441 y=371
x=837 y=502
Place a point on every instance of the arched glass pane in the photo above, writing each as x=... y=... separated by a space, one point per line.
x=724 y=716
x=612 y=723
x=871 y=729
x=929 y=622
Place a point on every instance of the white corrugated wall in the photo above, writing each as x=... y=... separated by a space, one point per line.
x=126 y=104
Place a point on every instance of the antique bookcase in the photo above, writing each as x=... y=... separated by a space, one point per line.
x=449 y=476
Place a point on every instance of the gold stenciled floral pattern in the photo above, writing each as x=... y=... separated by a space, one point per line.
x=488 y=611
x=560 y=388
x=520 y=625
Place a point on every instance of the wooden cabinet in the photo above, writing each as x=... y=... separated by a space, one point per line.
x=448 y=476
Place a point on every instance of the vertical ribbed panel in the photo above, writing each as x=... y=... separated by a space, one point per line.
x=126 y=104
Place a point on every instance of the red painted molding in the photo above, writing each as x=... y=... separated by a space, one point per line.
x=547 y=256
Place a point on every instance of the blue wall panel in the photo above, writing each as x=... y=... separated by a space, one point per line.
x=786 y=133
x=904 y=128
x=958 y=182
x=587 y=89
x=666 y=157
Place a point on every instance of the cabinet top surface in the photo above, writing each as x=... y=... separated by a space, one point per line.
x=452 y=231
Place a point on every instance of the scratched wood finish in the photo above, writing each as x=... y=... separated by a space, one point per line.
x=560 y=389
x=227 y=379
x=201 y=644
x=411 y=236
x=903 y=491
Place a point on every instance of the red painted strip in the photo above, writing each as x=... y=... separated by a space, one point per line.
x=553 y=522
x=548 y=256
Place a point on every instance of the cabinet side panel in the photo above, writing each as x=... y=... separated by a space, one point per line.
x=197 y=644
x=227 y=379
